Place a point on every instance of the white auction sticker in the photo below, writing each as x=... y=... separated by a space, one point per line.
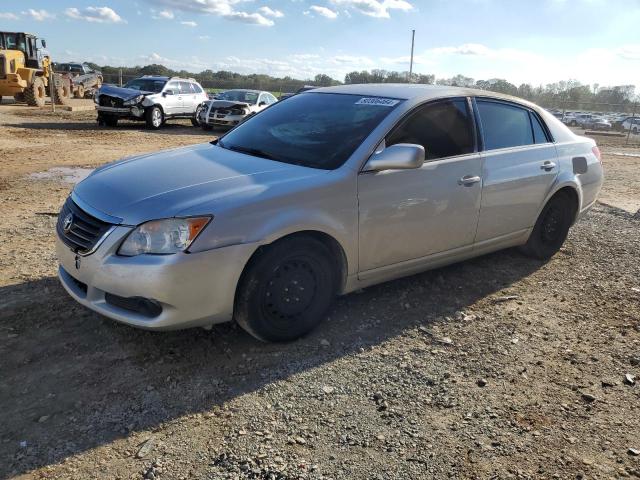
x=383 y=102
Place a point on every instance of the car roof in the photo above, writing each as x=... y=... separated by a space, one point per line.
x=408 y=91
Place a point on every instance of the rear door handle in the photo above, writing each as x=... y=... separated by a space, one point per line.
x=548 y=166
x=468 y=180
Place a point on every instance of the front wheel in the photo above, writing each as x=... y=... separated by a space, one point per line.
x=154 y=117
x=286 y=290
x=551 y=228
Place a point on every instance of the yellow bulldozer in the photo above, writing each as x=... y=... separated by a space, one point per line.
x=26 y=73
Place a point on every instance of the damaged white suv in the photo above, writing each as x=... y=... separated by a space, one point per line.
x=153 y=99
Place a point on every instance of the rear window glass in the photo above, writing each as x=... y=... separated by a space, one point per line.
x=504 y=125
x=318 y=130
x=444 y=129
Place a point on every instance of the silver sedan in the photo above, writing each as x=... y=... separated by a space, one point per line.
x=330 y=191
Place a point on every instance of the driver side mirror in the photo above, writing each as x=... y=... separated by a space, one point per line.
x=167 y=92
x=43 y=42
x=401 y=156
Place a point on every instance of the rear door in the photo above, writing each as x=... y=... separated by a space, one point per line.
x=519 y=168
x=409 y=214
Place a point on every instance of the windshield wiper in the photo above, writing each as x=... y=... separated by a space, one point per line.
x=256 y=152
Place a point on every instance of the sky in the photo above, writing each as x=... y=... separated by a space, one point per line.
x=523 y=41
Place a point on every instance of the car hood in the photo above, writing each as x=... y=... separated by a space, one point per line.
x=186 y=181
x=121 y=92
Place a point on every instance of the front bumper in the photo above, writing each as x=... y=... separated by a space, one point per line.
x=126 y=112
x=223 y=120
x=193 y=289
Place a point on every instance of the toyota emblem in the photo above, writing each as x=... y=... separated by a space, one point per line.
x=67 y=223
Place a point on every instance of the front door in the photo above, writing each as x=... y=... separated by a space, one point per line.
x=409 y=214
x=172 y=103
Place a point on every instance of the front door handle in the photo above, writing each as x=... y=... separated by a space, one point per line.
x=468 y=180
x=548 y=166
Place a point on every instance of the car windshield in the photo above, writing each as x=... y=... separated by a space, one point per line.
x=146 y=85
x=317 y=130
x=244 y=96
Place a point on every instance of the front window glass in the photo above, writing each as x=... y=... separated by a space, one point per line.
x=146 y=85
x=317 y=130
x=443 y=128
x=244 y=96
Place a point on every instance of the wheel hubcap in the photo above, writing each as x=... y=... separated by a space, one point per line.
x=551 y=225
x=290 y=290
x=157 y=118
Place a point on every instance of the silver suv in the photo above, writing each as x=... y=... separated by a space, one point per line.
x=327 y=192
x=152 y=99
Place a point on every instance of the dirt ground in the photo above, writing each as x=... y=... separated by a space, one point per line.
x=499 y=367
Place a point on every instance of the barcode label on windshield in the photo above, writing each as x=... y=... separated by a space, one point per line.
x=382 y=102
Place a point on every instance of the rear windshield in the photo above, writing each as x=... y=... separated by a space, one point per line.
x=146 y=85
x=318 y=130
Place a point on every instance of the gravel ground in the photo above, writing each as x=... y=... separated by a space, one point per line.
x=499 y=367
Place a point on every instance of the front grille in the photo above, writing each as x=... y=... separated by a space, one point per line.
x=83 y=230
x=109 y=101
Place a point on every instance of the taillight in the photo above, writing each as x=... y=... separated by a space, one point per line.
x=596 y=152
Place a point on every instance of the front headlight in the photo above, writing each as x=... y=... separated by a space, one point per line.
x=163 y=237
x=133 y=101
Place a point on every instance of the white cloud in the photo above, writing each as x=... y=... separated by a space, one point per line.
x=269 y=12
x=38 y=15
x=189 y=23
x=251 y=18
x=164 y=14
x=223 y=8
x=8 y=16
x=204 y=37
x=94 y=15
x=322 y=11
x=375 y=8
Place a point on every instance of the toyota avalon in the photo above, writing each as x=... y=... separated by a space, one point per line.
x=333 y=190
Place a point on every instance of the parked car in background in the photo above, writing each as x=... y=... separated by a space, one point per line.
x=152 y=99
x=328 y=192
x=596 y=123
x=232 y=107
x=85 y=81
x=631 y=123
x=569 y=118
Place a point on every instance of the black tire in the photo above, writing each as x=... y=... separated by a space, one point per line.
x=64 y=92
x=286 y=290
x=19 y=97
x=110 y=121
x=573 y=123
x=194 y=121
x=36 y=93
x=154 y=117
x=635 y=130
x=551 y=228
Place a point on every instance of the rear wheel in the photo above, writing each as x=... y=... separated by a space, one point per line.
x=79 y=93
x=154 y=117
x=195 y=121
x=551 y=228
x=287 y=290
x=35 y=93
x=63 y=92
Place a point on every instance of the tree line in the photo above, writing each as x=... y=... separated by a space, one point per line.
x=570 y=94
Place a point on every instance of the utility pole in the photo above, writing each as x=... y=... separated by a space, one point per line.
x=413 y=37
